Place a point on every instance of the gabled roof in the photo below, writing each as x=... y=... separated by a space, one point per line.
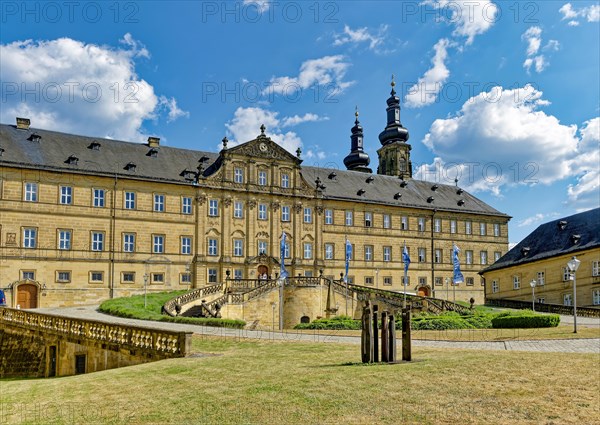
x=376 y=188
x=567 y=235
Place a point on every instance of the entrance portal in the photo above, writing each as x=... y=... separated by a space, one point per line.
x=263 y=272
x=27 y=295
x=423 y=291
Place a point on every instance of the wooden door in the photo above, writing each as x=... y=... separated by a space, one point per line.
x=27 y=296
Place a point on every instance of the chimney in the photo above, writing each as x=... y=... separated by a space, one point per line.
x=153 y=142
x=23 y=123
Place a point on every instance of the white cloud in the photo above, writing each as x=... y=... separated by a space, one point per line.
x=427 y=88
x=246 y=122
x=361 y=35
x=533 y=37
x=589 y=13
x=470 y=18
x=586 y=166
x=326 y=71
x=67 y=85
x=537 y=218
x=261 y=5
x=480 y=143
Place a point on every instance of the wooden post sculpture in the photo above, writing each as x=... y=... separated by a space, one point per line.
x=392 y=339
x=385 y=352
x=367 y=334
x=375 y=335
x=406 y=348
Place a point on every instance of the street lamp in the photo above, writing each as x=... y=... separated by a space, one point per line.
x=377 y=278
x=145 y=289
x=573 y=265
x=447 y=288
x=532 y=284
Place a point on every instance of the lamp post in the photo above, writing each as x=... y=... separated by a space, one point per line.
x=377 y=278
x=273 y=305
x=447 y=288
x=145 y=289
x=573 y=265
x=532 y=284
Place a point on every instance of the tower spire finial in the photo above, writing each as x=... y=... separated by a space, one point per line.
x=393 y=84
x=356 y=114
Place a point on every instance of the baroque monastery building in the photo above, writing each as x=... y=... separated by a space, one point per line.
x=84 y=219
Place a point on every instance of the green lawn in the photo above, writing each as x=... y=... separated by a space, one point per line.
x=265 y=382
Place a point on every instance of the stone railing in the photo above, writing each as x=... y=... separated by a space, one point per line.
x=171 y=306
x=164 y=343
x=244 y=285
x=564 y=310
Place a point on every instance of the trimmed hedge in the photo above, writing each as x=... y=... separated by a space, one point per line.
x=526 y=321
x=335 y=323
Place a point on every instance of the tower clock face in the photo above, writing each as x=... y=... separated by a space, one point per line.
x=263 y=147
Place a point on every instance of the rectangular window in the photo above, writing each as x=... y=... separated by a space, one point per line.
x=28 y=275
x=98 y=198
x=307 y=250
x=452 y=226
x=212 y=247
x=158 y=244
x=496 y=229
x=213 y=207
x=437 y=225
x=262 y=247
x=404 y=223
x=421 y=225
x=349 y=218
x=238 y=209
x=285 y=213
x=541 y=300
x=387 y=281
x=128 y=277
x=595 y=268
x=262 y=178
x=516 y=282
x=482 y=229
x=96 y=276
x=541 y=278
x=158 y=278
x=328 y=216
x=596 y=297
x=368 y=252
x=97 y=241
x=63 y=276
x=159 y=203
x=438 y=256
x=497 y=255
x=351 y=249
x=285 y=180
x=238 y=175
x=262 y=211
x=495 y=287
x=566 y=274
x=387 y=222
x=483 y=257
x=470 y=281
x=468 y=227
x=368 y=219
x=438 y=281
x=329 y=251
x=31 y=192
x=469 y=257
x=308 y=215
x=186 y=245
x=66 y=195
x=238 y=274
x=128 y=242
x=129 y=200
x=568 y=299
x=368 y=280
x=387 y=253
x=238 y=248
x=422 y=255
x=212 y=275
x=286 y=250
x=406 y=280
x=64 y=239
x=186 y=205
x=422 y=281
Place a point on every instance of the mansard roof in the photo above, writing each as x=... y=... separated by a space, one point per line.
x=50 y=150
x=567 y=235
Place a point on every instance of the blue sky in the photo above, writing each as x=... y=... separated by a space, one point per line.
x=504 y=95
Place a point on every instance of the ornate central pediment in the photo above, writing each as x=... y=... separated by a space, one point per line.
x=264 y=148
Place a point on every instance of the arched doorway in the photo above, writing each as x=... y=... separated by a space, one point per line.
x=423 y=291
x=262 y=271
x=305 y=319
x=27 y=295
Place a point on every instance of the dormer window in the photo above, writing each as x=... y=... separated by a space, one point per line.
x=130 y=167
x=575 y=239
x=459 y=192
x=460 y=203
x=397 y=196
x=95 y=146
x=370 y=179
x=430 y=199
x=188 y=175
x=1 y=151
x=562 y=224
x=361 y=192
x=152 y=153
x=403 y=183
x=35 y=138
x=525 y=251
x=434 y=187
x=332 y=176
x=72 y=160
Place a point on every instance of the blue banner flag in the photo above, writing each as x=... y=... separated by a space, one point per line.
x=405 y=258
x=282 y=271
x=458 y=277
x=348 y=257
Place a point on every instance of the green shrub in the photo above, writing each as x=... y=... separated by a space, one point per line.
x=528 y=320
x=334 y=323
x=439 y=323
